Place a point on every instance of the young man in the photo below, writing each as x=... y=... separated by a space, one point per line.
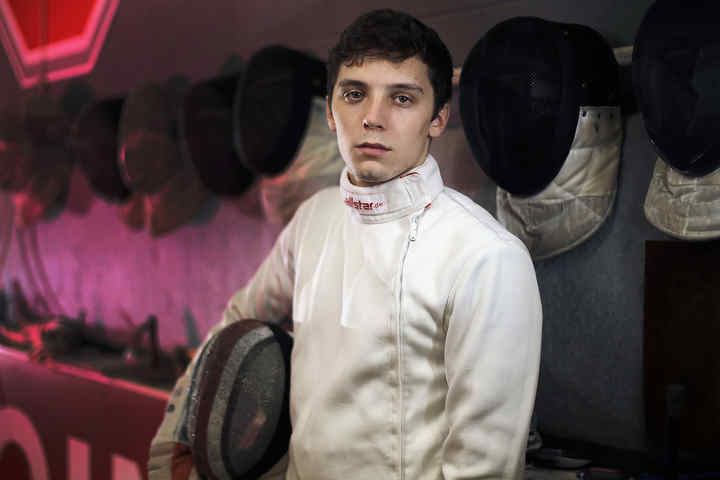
x=417 y=317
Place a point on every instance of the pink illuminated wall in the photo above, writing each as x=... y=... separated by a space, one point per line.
x=95 y=263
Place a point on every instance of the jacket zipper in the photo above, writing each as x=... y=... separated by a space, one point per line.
x=414 y=228
x=412 y=236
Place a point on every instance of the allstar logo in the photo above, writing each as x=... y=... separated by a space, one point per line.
x=360 y=205
x=61 y=37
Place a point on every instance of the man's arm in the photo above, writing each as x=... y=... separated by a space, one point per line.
x=266 y=297
x=492 y=359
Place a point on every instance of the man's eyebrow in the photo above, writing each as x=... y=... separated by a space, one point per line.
x=351 y=83
x=407 y=86
x=348 y=82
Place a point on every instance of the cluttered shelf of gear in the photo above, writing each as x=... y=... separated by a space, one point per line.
x=554 y=458
x=130 y=354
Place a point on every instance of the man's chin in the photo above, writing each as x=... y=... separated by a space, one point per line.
x=368 y=178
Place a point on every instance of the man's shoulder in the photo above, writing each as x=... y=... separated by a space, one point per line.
x=460 y=216
x=329 y=194
x=323 y=202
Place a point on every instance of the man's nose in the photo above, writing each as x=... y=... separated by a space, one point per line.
x=374 y=118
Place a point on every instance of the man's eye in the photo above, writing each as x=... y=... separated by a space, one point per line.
x=403 y=99
x=353 y=96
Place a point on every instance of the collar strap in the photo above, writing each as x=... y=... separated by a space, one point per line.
x=396 y=198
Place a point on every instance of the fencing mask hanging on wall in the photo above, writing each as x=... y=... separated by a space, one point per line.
x=316 y=165
x=166 y=188
x=539 y=103
x=148 y=152
x=676 y=73
x=206 y=134
x=238 y=415
x=94 y=143
x=282 y=129
x=16 y=167
x=46 y=125
x=273 y=105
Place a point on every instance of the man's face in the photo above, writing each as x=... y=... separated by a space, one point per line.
x=382 y=113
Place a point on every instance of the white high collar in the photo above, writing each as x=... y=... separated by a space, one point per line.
x=396 y=198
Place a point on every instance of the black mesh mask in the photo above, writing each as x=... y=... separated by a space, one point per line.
x=676 y=78
x=94 y=143
x=272 y=107
x=206 y=133
x=239 y=414
x=148 y=152
x=521 y=90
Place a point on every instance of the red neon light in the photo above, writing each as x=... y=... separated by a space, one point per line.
x=76 y=32
x=66 y=19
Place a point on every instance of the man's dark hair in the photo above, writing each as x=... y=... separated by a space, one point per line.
x=395 y=36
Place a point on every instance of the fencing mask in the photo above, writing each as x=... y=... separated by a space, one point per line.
x=166 y=188
x=316 y=165
x=148 y=152
x=206 y=133
x=16 y=158
x=238 y=412
x=45 y=157
x=94 y=143
x=272 y=107
x=539 y=102
x=676 y=73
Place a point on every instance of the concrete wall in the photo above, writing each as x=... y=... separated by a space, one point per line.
x=591 y=379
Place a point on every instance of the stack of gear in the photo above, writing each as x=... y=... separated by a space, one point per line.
x=119 y=353
x=167 y=191
x=676 y=73
x=43 y=334
x=281 y=129
x=539 y=103
x=238 y=418
x=142 y=359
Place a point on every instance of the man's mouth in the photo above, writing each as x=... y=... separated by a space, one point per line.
x=374 y=149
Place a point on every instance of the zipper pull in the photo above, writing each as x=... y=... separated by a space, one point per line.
x=413 y=227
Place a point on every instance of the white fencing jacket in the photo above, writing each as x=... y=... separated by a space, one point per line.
x=417 y=325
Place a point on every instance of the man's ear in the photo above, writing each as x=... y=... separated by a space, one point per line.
x=438 y=124
x=328 y=113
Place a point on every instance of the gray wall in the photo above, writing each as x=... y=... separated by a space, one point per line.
x=591 y=379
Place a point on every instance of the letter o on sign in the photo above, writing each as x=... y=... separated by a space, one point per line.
x=17 y=428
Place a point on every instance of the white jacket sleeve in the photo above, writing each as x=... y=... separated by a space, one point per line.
x=492 y=358
x=266 y=297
